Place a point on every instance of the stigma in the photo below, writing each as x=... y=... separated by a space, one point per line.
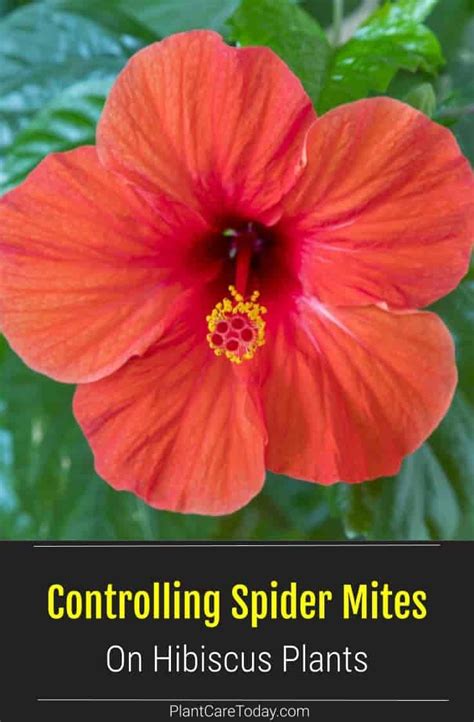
x=236 y=326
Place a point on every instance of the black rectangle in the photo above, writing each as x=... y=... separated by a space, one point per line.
x=56 y=669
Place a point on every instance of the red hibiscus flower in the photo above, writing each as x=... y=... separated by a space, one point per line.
x=234 y=283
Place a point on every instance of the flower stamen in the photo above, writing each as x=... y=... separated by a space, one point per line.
x=236 y=326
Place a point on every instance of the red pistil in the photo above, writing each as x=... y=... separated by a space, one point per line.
x=242 y=262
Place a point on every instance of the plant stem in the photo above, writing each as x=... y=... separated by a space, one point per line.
x=337 y=17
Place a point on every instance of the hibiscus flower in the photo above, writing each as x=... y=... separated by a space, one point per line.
x=234 y=284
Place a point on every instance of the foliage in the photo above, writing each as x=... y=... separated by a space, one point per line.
x=44 y=50
x=291 y=33
x=57 y=61
x=392 y=38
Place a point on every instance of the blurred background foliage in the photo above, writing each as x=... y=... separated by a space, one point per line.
x=58 y=59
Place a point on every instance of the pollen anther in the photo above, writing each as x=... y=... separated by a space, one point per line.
x=236 y=326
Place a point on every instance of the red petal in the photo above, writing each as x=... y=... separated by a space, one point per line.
x=83 y=266
x=219 y=128
x=385 y=209
x=178 y=427
x=352 y=391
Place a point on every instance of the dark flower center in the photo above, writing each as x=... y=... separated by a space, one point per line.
x=246 y=244
x=254 y=262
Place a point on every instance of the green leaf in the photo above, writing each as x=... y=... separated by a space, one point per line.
x=65 y=123
x=113 y=17
x=392 y=38
x=290 y=32
x=6 y=6
x=165 y=17
x=173 y=16
x=43 y=50
x=422 y=97
x=433 y=495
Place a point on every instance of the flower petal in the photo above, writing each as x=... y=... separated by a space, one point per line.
x=351 y=391
x=385 y=209
x=219 y=128
x=84 y=280
x=178 y=427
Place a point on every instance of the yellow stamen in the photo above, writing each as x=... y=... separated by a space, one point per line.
x=236 y=327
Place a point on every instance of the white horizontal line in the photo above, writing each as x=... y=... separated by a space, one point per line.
x=159 y=699
x=347 y=545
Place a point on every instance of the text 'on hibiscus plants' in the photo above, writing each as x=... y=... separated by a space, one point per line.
x=234 y=283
